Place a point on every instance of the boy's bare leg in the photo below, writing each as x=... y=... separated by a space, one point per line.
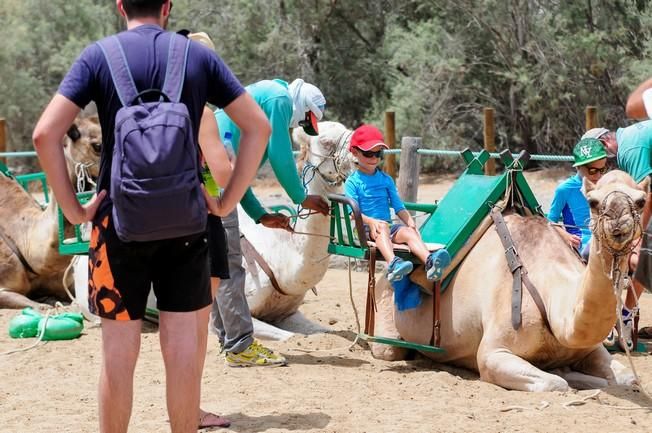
x=183 y=341
x=630 y=300
x=384 y=244
x=406 y=235
x=120 y=348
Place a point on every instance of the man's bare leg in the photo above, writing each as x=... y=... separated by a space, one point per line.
x=183 y=342
x=120 y=348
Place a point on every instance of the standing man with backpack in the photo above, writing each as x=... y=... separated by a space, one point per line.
x=149 y=216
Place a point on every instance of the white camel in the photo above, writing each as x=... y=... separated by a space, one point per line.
x=298 y=261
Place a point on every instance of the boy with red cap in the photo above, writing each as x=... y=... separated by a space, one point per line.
x=375 y=193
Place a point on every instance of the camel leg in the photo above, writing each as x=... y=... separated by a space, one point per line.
x=384 y=324
x=503 y=368
x=600 y=363
x=579 y=380
x=15 y=300
x=265 y=331
x=299 y=324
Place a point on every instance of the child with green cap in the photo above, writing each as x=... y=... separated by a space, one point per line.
x=569 y=205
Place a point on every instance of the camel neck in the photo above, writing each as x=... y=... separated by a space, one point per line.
x=594 y=310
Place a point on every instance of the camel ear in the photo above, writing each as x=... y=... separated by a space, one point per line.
x=645 y=184
x=587 y=186
x=73 y=133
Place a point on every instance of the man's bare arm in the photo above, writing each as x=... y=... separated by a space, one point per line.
x=635 y=103
x=254 y=134
x=213 y=148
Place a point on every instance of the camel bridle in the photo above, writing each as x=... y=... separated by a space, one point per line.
x=338 y=157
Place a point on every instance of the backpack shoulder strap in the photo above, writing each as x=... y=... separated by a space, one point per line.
x=120 y=73
x=175 y=73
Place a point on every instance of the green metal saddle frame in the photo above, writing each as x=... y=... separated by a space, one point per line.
x=449 y=223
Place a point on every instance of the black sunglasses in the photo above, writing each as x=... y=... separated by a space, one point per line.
x=370 y=154
x=594 y=170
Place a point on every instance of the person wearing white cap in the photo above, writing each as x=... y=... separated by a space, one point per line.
x=632 y=147
x=298 y=104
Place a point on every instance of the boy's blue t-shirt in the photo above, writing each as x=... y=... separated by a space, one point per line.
x=375 y=194
x=207 y=79
x=571 y=207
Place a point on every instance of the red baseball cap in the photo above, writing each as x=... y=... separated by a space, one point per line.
x=367 y=137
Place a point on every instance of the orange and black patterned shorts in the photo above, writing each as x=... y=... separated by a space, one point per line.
x=121 y=274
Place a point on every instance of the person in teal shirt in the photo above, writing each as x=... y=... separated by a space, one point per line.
x=279 y=100
x=298 y=104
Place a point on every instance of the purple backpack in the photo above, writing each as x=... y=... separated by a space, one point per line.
x=155 y=183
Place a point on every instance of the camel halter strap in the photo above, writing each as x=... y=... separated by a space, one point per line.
x=81 y=172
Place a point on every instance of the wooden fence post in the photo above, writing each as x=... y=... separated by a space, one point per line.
x=408 y=174
x=489 y=140
x=390 y=140
x=3 y=139
x=591 y=117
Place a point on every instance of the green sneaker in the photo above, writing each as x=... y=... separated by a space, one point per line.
x=256 y=355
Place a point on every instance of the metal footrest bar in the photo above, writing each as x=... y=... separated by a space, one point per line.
x=401 y=343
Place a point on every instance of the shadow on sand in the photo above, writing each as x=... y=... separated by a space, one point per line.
x=284 y=422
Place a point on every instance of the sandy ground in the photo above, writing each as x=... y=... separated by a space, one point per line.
x=326 y=387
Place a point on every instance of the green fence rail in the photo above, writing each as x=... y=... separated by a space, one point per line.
x=432 y=152
x=17 y=154
x=494 y=155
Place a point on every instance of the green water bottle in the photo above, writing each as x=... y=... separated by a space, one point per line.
x=211 y=186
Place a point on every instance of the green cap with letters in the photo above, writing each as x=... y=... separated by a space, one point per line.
x=587 y=151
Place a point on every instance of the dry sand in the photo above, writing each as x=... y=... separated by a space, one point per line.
x=52 y=388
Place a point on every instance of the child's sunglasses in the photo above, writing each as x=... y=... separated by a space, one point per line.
x=370 y=154
x=594 y=170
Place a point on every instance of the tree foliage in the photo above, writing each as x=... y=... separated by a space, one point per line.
x=538 y=63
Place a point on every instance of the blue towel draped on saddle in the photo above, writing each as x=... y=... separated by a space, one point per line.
x=407 y=294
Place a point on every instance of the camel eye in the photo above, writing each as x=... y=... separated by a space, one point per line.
x=593 y=203
x=97 y=147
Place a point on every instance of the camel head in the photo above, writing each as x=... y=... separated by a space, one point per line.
x=616 y=203
x=82 y=147
x=327 y=153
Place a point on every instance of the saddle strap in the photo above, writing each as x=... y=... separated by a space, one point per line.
x=14 y=248
x=519 y=273
x=249 y=251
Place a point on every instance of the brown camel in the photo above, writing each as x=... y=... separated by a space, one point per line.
x=30 y=264
x=82 y=147
x=579 y=299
